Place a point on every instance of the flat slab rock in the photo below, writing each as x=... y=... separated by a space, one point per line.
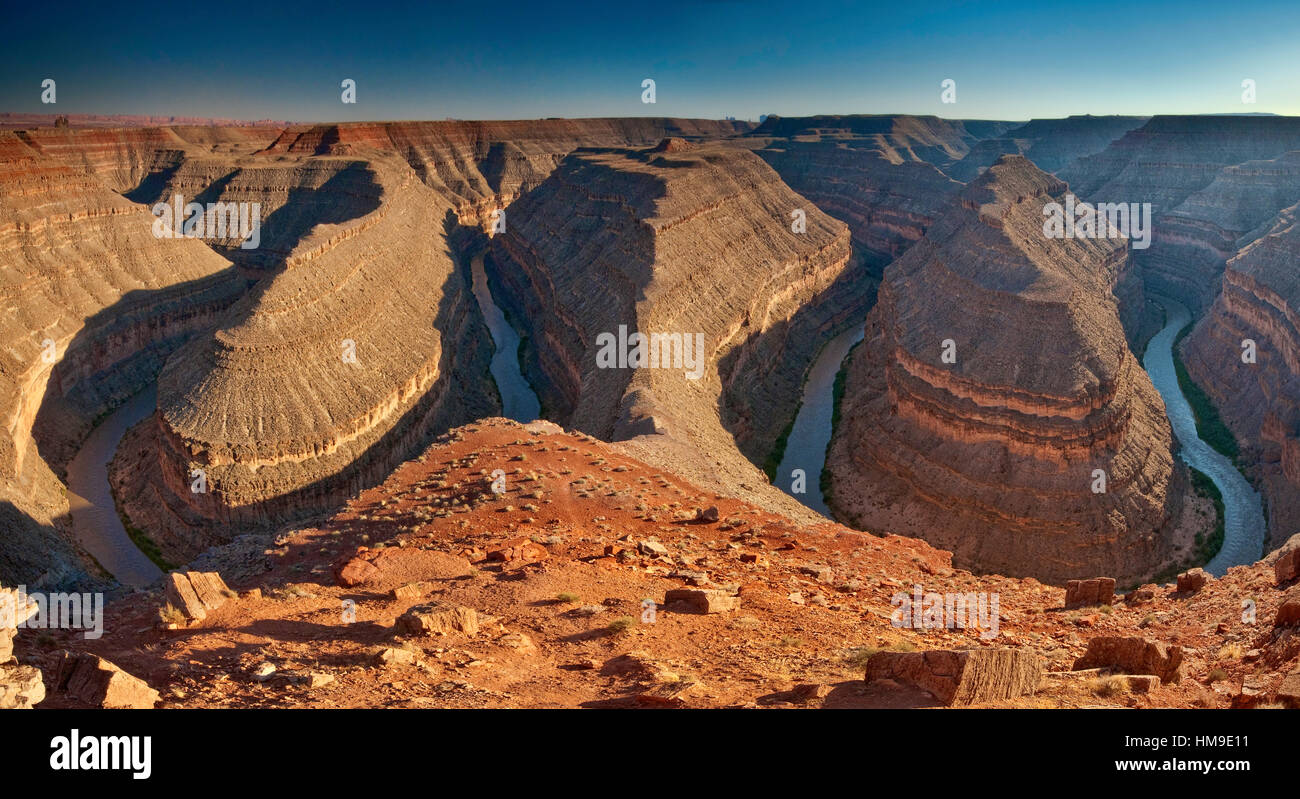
x=959 y=677
x=1133 y=655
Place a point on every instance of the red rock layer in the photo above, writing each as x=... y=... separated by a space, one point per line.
x=993 y=456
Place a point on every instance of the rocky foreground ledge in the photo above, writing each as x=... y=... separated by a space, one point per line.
x=596 y=580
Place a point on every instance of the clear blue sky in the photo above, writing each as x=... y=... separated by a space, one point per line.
x=485 y=60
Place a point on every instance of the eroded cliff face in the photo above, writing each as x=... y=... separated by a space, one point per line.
x=94 y=304
x=484 y=166
x=899 y=137
x=677 y=240
x=992 y=451
x=1195 y=240
x=1167 y=161
x=330 y=372
x=887 y=204
x=1260 y=401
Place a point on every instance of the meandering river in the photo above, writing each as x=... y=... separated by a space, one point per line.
x=518 y=400
x=806 y=446
x=94 y=516
x=1244 y=525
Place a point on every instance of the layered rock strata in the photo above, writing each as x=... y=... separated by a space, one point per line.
x=993 y=385
x=316 y=384
x=94 y=303
x=1196 y=239
x=1259 y=401
x=696 y=243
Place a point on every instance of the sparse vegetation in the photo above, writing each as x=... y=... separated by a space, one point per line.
x=170 y=614
x=567 y=598
x=1209 y=426
x=621 y=625
x=1105 y=687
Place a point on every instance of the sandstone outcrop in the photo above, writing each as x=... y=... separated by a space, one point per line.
x=1260 y=401
x=995 y=389
x=705 y=248
x=961 y=677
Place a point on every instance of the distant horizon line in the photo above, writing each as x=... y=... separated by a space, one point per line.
x=156 y=119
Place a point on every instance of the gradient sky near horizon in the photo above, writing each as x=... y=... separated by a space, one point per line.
x=505 y=60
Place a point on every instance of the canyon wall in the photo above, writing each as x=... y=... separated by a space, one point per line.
x=94 y=303
x=1051 y=144
x=676 y=239
x=1260 y=401
x=1168 y=160
x=992 y=452
x=1195 y=240
x=332 y=370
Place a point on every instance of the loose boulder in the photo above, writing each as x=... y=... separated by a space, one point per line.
x=1288 y=611
x=1083 y=593
x=1189 y=582
x=437 y=618
x=1133 y=655
x=1286 y=563
x=961 y=677
x=92 y=679
x=196 y=593
x=703 y=600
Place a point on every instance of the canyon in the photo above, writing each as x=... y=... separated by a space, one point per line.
x=327 y=400
x=985 y=439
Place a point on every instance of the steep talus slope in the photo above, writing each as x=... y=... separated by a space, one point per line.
x=878 y=174
x=1051 y=144
x=1260 y=401
x=319 y=381
x=993 y=456
x=293 y=196
x=484 y=166
x=691 y=241
x=886 y=204
x=93 y=303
